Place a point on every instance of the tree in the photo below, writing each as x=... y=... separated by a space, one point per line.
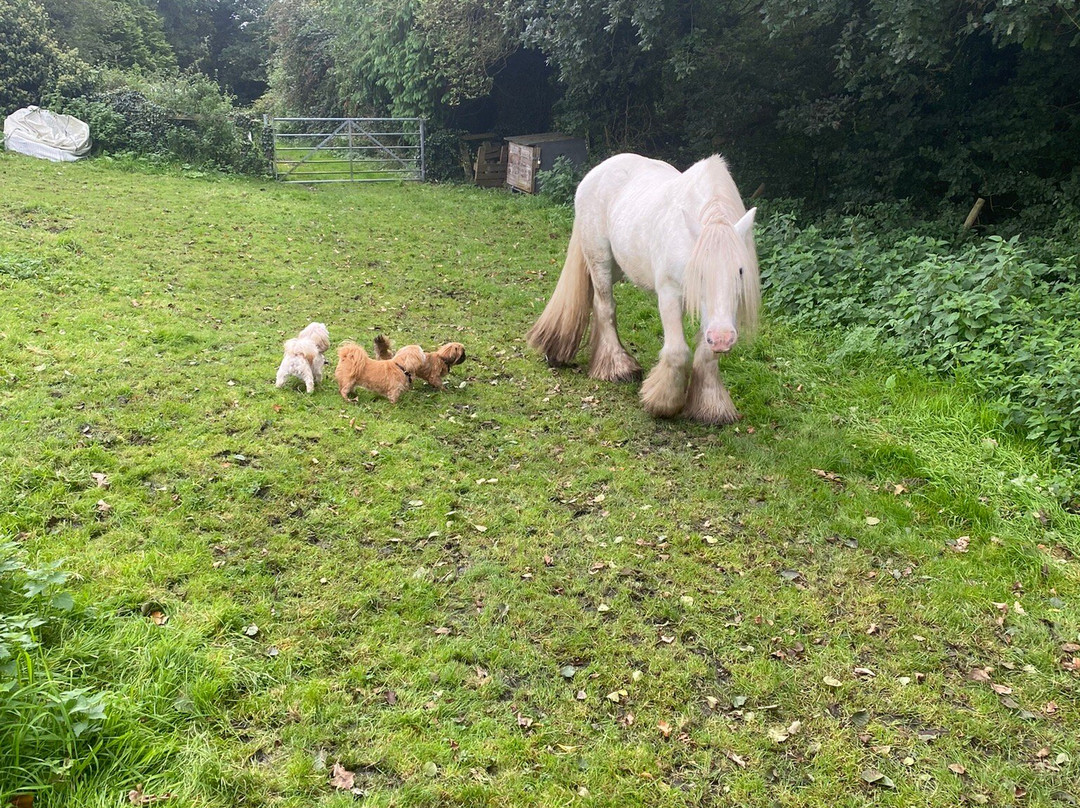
x=30 y=58
x=111 y=33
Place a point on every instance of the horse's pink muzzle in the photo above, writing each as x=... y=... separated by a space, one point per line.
x=721 y=340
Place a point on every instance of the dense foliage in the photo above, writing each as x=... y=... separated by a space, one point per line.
x=839 y=101
x=172 y=118
x=997 y=312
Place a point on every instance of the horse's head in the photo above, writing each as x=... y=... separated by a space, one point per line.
x=721 y=280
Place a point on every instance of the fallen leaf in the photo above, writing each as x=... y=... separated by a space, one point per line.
x=103 y=507
x=873 y=520
x=158 y=618
x=665 y=728
x=548 y=561
x=567 y=671
x=979 y=674
x=430 y=769
x=442 y=631
x=251 y=630
x=102 y=480
x=137 y=797
x=1001 y=690
x=524 y=721
x=22 y=801
x=580 y=695
x=863 y=672
x=341 y=778
x=957 y=769
x=832 y=681
x=736 y=759
x=876 y=778
x=961 y=544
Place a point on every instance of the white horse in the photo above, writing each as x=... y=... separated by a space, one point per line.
x=686 y=236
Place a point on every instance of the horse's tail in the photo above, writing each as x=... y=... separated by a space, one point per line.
x=558 y=332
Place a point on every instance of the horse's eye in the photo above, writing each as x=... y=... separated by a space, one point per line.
x=740 y=272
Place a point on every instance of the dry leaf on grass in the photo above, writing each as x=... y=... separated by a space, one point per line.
x=876 y=778
x=341 y=778
x=137 y=797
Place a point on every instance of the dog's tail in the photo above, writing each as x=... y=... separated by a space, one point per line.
x=558 y=332
x=382 y=348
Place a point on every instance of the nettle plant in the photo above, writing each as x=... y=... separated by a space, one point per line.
x=45 y=725
x=999 y=311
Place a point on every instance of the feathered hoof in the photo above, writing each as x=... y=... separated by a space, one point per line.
x=710 y=404
x=615 y=366
x=664 y=392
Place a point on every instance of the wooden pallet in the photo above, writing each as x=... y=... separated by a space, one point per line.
x=489 y=168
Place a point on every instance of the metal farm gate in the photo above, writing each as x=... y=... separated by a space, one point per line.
x=348 y=149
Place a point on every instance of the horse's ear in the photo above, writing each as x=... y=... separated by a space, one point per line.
x=745 y=226
x=693 y=223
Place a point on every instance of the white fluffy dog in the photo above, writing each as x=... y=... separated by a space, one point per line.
x=304 y=356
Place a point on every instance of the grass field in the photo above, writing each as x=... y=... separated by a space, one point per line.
x=519 y=591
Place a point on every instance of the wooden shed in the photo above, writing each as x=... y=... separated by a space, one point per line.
x=483 y=157
x=530 y=154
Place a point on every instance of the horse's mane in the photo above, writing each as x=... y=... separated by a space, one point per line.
x=718 y=254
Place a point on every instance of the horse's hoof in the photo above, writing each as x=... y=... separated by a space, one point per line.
x=615 y=367
x=664 y=392
x=720 y=411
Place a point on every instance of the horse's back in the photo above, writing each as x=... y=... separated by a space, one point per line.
x=616 y=175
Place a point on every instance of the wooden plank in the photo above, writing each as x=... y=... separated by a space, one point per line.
x=520 y=167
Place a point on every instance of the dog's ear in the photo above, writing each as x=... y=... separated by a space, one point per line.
x=452 y=353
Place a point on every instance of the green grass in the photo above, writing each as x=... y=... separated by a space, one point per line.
x=419 y=574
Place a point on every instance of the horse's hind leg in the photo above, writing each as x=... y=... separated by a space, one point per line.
x=708 y=400
x=664 y=391
x=610 y=361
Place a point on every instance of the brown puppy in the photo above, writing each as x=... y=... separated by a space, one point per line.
x=389 y=378
x=436 y=364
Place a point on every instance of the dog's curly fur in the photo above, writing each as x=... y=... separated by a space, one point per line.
x=387 y=377
x=436 y=364
x=317 y=333
x=304 y=357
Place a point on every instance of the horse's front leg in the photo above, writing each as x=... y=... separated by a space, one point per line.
x=664 y=391
x=707 y=399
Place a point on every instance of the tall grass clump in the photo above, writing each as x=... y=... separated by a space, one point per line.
x=48 y=728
